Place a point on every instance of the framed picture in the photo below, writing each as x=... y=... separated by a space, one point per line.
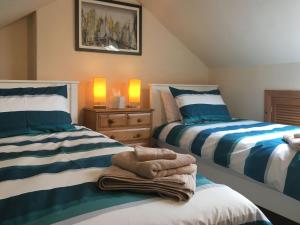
x=108 y=26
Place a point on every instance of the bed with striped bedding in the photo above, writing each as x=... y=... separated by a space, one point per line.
x=254 y=149
x=51 y=178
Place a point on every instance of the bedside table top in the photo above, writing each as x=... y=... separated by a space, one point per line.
x=126 y=110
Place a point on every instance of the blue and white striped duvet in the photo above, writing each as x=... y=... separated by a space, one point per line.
x=255 y=149
x=51 y=178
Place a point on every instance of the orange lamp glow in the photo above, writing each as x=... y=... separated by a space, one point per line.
x=134 y=91
x=99 y=91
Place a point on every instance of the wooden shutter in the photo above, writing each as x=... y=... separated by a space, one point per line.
x=282 y=107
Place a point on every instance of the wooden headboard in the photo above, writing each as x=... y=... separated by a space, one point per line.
x=282 y=106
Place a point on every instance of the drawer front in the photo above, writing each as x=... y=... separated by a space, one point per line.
x=139 y=119
x=128 y=134
x=112 y=120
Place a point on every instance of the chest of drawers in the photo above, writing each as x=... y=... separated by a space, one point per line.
x=129 y=126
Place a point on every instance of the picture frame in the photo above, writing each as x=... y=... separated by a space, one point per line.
x=108 y=27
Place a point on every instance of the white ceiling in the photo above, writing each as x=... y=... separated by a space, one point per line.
x=12 y=10
x=234 y=32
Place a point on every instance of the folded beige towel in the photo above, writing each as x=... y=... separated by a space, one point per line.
x=179 y=187
x=154 y=168
x=146 y=154
x=293 y=142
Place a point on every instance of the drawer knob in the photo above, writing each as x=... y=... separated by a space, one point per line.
x=139 y=120
x=137 y=136
x=110 y=121
x=112 y=137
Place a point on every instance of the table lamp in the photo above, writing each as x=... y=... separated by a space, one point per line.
x=99 y=90
x=134 y=93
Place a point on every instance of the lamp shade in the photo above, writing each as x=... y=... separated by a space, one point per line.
x=99 y=89
x=134 y=91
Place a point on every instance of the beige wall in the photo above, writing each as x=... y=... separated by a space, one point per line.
x=14 y=51
x=243 y=88
x=164 y=58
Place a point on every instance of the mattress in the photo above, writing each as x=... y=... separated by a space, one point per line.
x=251 y=148
x=51 y=178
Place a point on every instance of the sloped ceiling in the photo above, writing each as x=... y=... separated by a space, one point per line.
x=12 y=10
x=222 y=33
x=225 y=33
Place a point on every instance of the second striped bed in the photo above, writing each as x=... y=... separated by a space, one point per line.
x=255 y=149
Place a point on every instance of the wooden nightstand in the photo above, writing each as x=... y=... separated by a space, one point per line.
x=129 y=126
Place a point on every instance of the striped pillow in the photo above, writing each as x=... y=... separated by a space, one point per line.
x=30 y=110
x=202 y=106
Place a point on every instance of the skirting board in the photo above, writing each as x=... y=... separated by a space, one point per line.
x=258 y=193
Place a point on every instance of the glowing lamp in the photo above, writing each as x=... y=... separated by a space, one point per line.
x=134 y=92
x=99 y=89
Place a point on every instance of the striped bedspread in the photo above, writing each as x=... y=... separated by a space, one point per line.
x=51 y=178
x=255 y=149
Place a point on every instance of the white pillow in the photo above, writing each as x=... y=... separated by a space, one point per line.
x=170 y=106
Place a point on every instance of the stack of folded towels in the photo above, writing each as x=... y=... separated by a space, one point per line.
x=152 y=170
x=293 y=141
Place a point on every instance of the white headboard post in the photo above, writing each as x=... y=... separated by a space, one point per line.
x=159 y=117
x=71 y=85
